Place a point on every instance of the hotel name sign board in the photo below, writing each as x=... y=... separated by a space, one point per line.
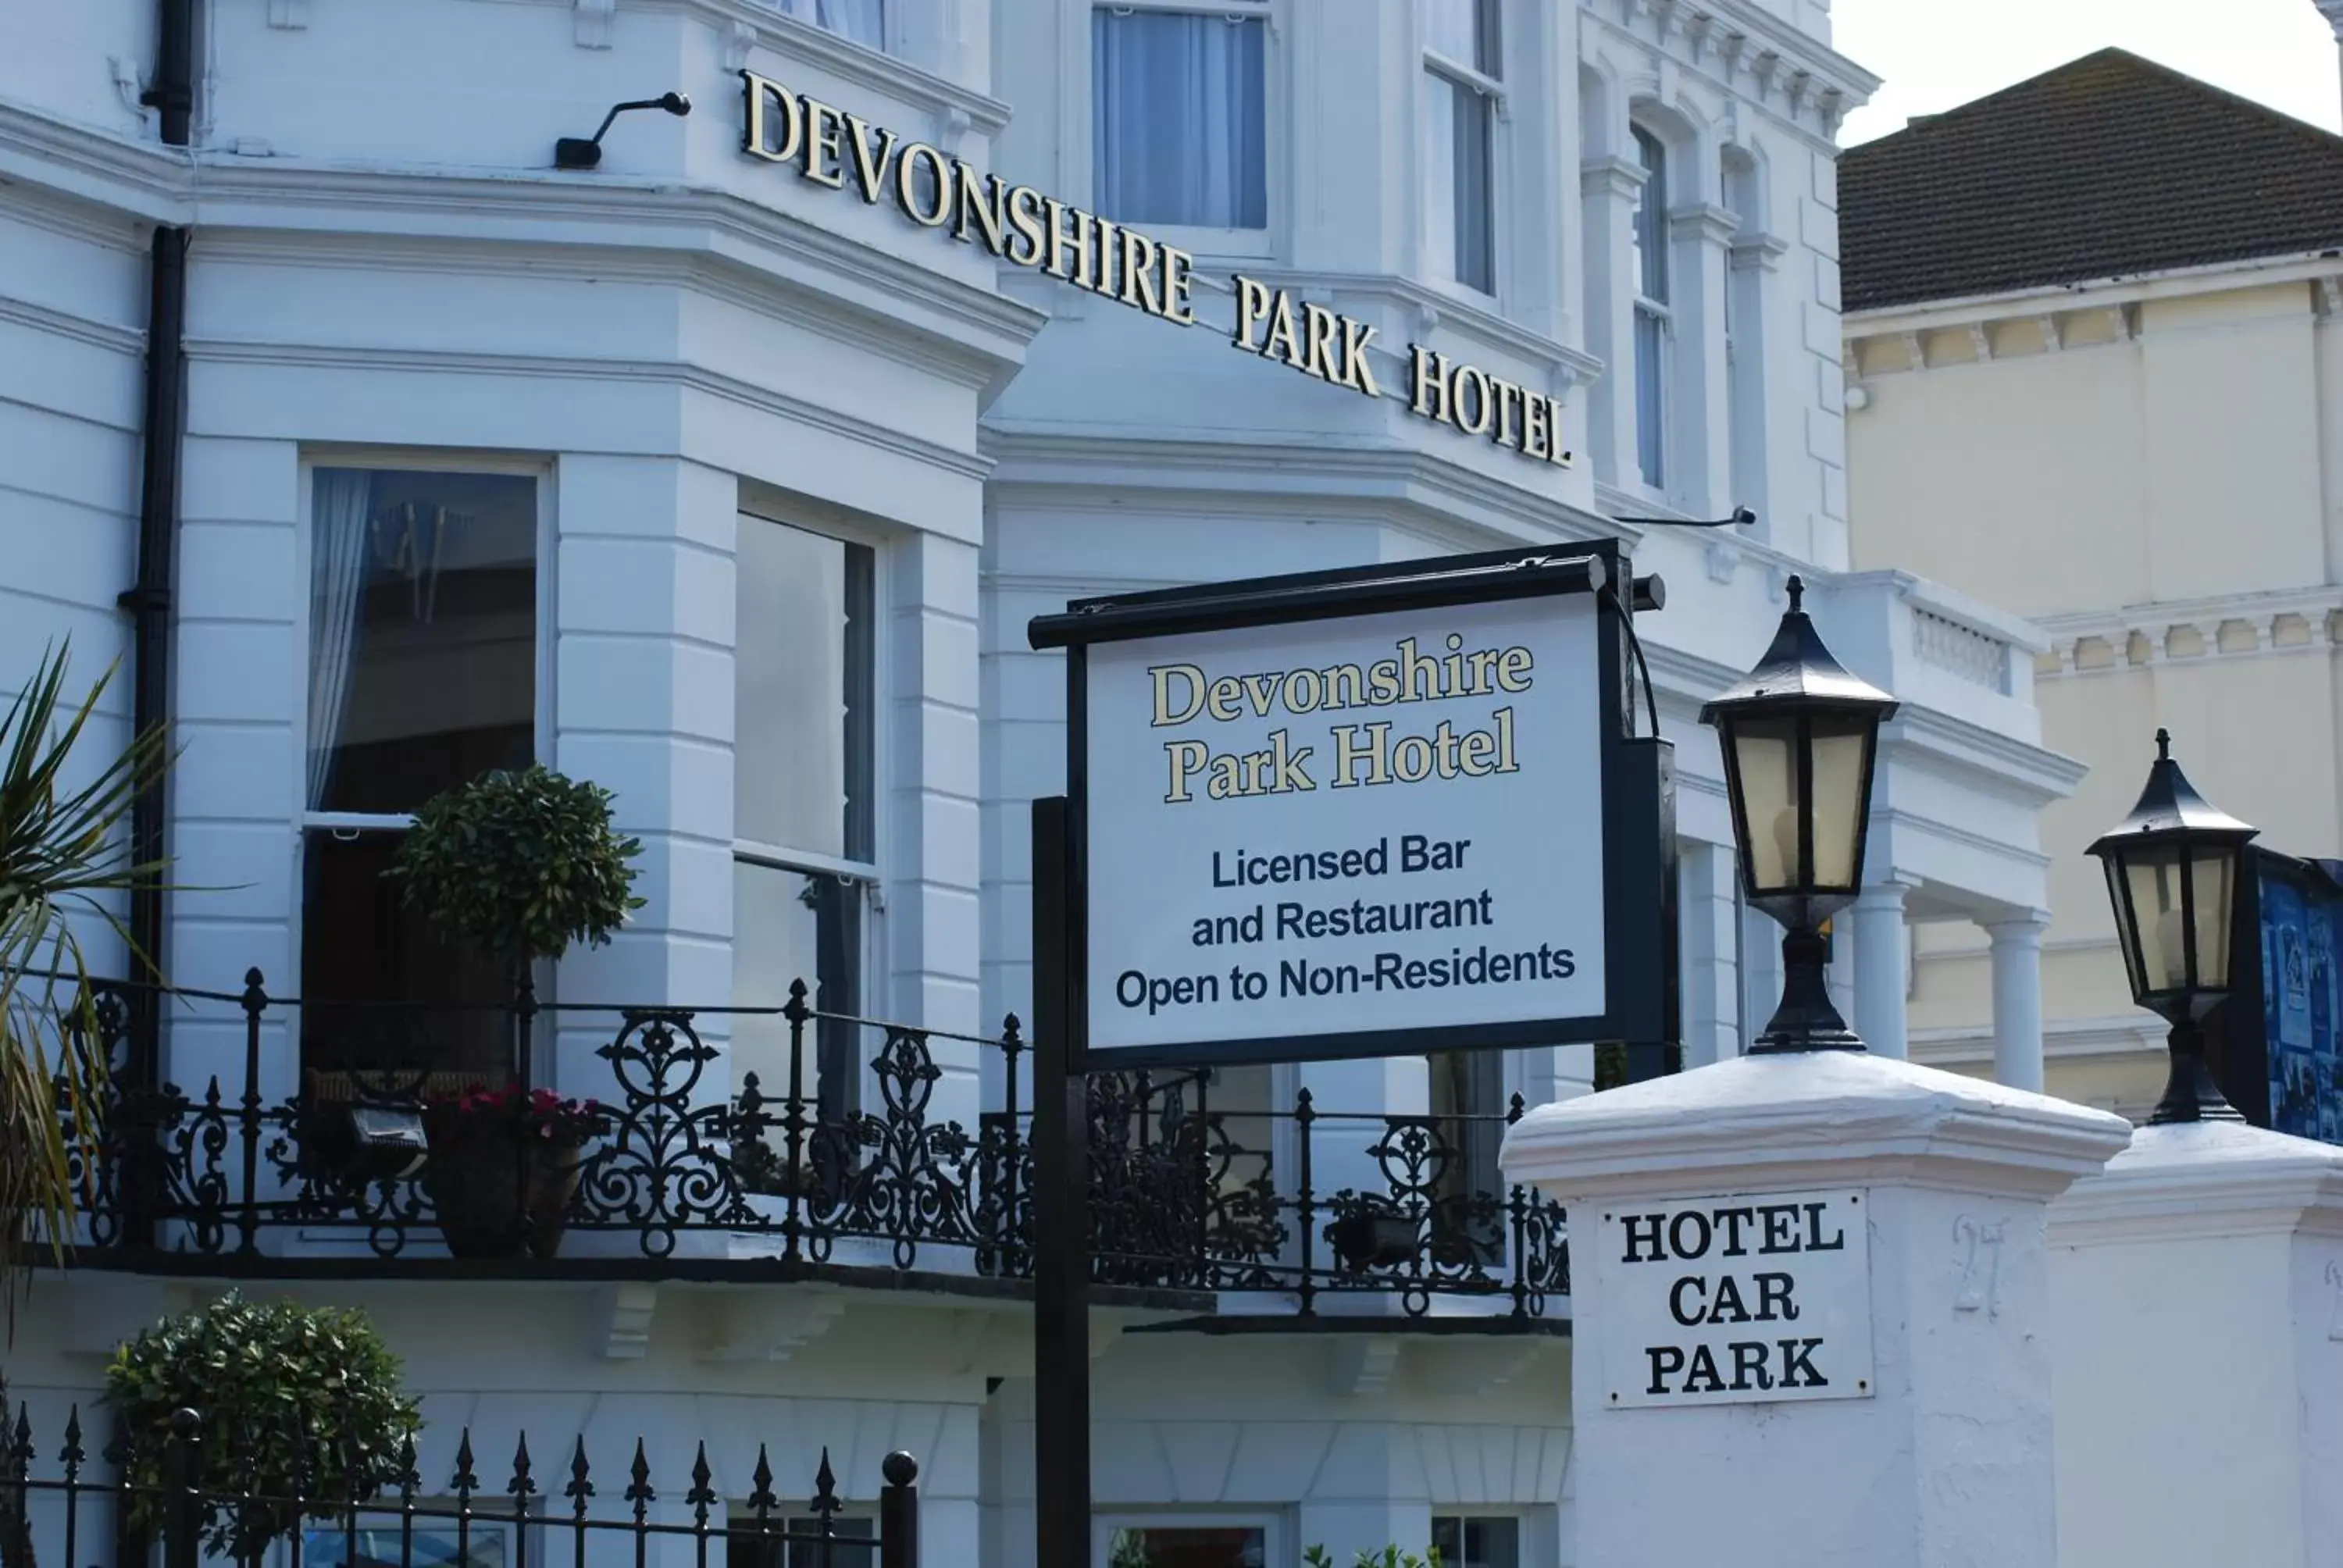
x=1024 y=227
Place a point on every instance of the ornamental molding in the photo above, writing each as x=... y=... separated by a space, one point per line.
x=2079 y=302
x=1736 y=45
x=2228 y=627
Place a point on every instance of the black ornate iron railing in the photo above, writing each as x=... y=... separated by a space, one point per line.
x=323 y=1132
x=205 y=1490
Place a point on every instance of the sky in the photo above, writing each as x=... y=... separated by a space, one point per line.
x=1937 y=55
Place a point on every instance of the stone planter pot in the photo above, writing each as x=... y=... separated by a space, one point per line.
x=499 y=1195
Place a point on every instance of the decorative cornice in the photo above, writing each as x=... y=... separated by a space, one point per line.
x=2082 y=635
x=2094 y=294
x=1762 y=251
x=542 y=366
x=1744 y=49
x=1615 y=178
x=41 y=319
x=701 y=270
x=1276 y=475
x=1704 y=222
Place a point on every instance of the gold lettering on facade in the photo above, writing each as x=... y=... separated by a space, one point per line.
x=821 y=145
x=1139 y=273
x=1110 y=234
x=1025 y=216
x=1179 y=277
x=1252 y=306
x=1537 y=430
x=756 y=137
x=1506 y=393
x=1427 y=382
x=1028 y=228
x=911 y=186
x=986 y=203
x=1284 y=339
x=869 y=173
x=1478 y=380
x=1064 y=245
x=1357 y=372
x=1322 y=326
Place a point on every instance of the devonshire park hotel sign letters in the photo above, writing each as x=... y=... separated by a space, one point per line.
x=1026 y=228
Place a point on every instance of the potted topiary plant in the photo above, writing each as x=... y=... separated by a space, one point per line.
x=289 y=1401
x=522 y=866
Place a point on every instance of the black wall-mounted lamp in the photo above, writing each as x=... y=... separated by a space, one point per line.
x=580 y=152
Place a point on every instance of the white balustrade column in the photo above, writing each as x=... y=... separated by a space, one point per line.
x=1880 y=976
x=2018 y=998
x=1813 y=1292
x=2222 y=1242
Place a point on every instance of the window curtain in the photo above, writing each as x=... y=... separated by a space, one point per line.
x=1179 y=128
x=338 y=529
x=864 y=21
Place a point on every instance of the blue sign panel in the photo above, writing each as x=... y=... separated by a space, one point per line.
x=2301 y=922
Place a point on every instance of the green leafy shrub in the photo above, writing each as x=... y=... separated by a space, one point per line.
x=1388 y=1557
x=519 y=865
x=292 y=1399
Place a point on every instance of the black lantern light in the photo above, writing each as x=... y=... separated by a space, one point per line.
x=1799 y=737
x=2173 y=867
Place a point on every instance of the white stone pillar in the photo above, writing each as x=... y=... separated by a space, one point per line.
x=2018 y=998
x=1609 y=189
x=1890 y=1404
x=1703 y=233
x=2196 y=1293
x=1710 y=980
x=1881 y=979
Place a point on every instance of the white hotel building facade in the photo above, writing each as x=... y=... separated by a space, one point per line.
x=727 y=490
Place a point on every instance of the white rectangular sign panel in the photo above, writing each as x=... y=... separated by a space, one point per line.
x=1738 y=1300
x=1369 y=823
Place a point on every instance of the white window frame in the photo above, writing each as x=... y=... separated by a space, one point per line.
x=1463 y=74
x=740 y=1516
x=1232 y=244
x=1524 y=1516
x=869 y=875
x=1273 y=1526
x=894 y=33
x=1658 y=310
x=486 y=1519
x=544 y=470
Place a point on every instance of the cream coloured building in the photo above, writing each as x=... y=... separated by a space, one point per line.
x=2095 y=377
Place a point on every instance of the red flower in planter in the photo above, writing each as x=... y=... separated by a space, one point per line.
x=539 y=1113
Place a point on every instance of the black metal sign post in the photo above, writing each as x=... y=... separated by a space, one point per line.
x=1636 y=833
x=1062 y=1254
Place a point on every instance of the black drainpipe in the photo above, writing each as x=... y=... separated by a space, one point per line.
x=149 y=600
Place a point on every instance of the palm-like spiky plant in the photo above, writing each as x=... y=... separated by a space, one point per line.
x=63 y=857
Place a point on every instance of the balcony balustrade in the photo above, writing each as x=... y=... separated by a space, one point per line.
x=295 y=1161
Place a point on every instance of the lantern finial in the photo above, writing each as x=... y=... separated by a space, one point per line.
x=1797 y=593
x=2164 y=746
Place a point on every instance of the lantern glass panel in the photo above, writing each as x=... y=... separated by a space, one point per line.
x=2214 y=890
x=1842 y=760
x=2127 y=927
x=1765 y=756
x=2152 y=873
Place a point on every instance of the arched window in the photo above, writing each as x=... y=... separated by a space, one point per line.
x=1652 y=316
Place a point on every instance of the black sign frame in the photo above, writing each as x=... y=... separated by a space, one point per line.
x=1637 y=781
